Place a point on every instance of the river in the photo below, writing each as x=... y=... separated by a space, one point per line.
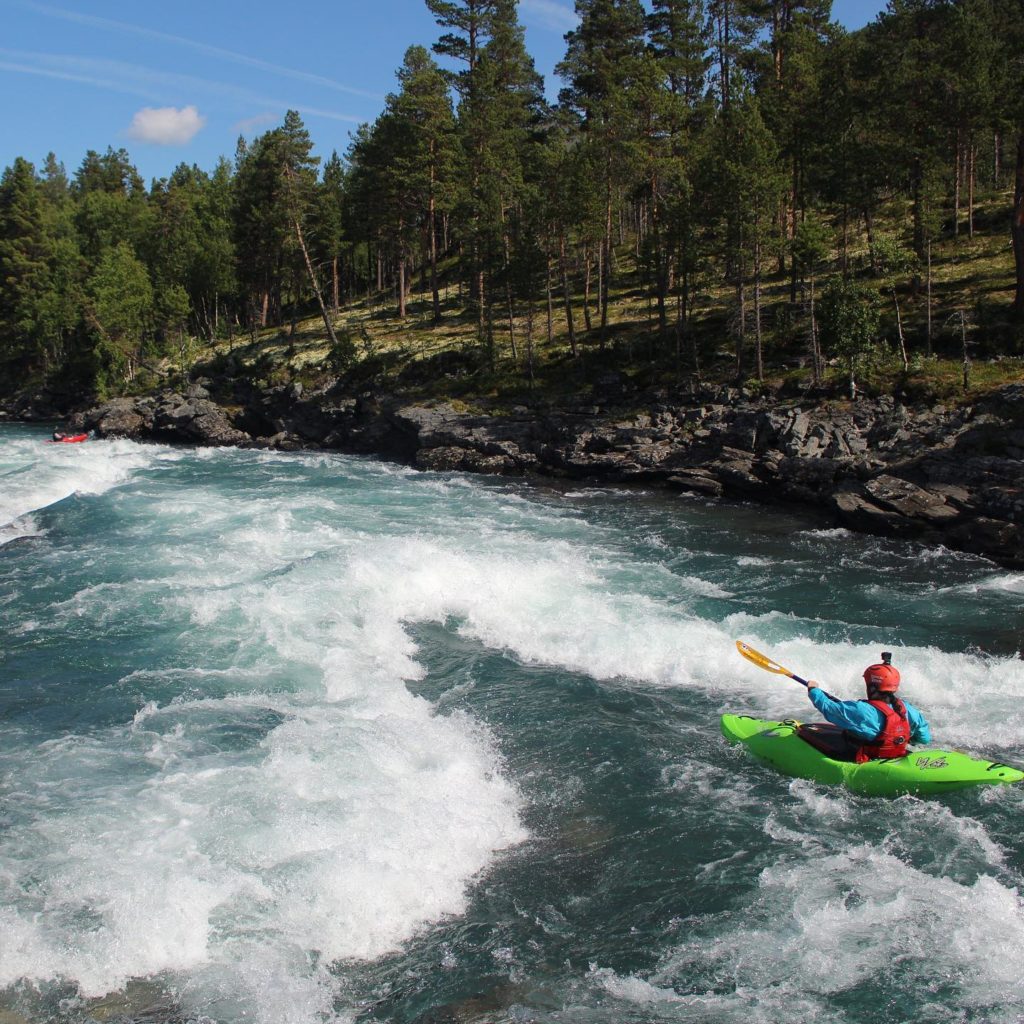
x=302 y=737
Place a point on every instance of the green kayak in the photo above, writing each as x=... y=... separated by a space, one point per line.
x=816 y=752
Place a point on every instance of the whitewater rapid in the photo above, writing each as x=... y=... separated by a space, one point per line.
x=224 y=771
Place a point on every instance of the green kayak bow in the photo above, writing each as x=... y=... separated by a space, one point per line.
x=813 y=752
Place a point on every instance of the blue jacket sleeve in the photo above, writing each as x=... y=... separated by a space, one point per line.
x=857 y=716
x=919 y=731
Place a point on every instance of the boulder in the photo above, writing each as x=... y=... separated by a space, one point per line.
x=857 y=511
x=906 y=498
x=465 y=460
x=120 y=417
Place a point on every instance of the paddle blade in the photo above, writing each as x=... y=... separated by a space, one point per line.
x=761 y=660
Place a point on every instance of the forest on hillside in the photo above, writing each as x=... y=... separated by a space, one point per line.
x=745 y=157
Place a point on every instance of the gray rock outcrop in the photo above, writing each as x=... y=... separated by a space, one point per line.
x=949 y=474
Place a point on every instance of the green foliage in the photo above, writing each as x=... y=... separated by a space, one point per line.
x=705 y=157
x=811 y=244
x=850 y=322
x=892 y=257
x=850 y=318
x=342 y=355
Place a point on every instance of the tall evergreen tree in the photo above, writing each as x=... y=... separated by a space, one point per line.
x=25 y=277
x=330 y=214
x=120 y=310
x=602 y=65
x=426 y=162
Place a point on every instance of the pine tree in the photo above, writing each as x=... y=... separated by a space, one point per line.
x=509 y=112
x=905 y=48
x=212 y=281
x=602 y=66
x=121 y=311
x=426 y=162
x=746 y=165
x=330 y=214
x=25 y=251
x=678 y=31
x=470 y=25
x=110 y=204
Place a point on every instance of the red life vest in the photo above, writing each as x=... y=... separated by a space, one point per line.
x=895 y=735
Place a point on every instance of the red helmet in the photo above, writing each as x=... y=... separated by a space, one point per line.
x=882 y=677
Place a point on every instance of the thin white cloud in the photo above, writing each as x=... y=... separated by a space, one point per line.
x=550 y=14
x=71 y=76
x=166 y=126
x=204 y=48
x=247 y=124
x=151 y=84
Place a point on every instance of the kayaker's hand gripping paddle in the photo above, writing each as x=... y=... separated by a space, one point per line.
x=763 y=661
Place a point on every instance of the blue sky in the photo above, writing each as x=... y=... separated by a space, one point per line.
x=179 y=82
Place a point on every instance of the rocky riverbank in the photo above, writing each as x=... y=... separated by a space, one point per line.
x=947 y=474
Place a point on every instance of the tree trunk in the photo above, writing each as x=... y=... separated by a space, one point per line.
x=432 y=240
x=928 y=330
x=481 y=286
x=917 y=206
x=529 y=341
x=401 y=281
x=957 y=164
x=970 y=188
x=602 y=287
x=586 y=290
x=757 y=310
x=815 y=350
x=660 y=262
x=966 y=357
x=899 y=331
x=314 y=282
x=602 y=270
x=435 y=295
x=793 y=223
x=844 y=256
x=783 y=228
x=1017 y=229
x=741 y=327
x=551 y=307
x=567 y=297
x=511 y=313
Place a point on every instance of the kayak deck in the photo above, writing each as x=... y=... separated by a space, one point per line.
x=781 y=746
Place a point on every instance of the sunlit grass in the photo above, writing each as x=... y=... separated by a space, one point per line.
x=971 y=278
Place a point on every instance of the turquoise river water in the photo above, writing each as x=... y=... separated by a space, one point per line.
x=296 y=738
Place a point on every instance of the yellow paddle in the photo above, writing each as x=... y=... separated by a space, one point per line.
x=763 y=661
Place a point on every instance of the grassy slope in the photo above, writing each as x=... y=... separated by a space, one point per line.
x=447 y=360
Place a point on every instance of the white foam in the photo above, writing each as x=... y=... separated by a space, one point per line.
x=36 y=475
x=344 y=831
x=835 y=922
x=344 y=814
x=1000 y=583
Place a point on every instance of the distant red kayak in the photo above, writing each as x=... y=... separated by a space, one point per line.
x=70 y=439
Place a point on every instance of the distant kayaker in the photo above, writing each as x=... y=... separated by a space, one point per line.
x=58 y=435
x=881 y=726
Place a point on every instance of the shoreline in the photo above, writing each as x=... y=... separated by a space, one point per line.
x=952 y=475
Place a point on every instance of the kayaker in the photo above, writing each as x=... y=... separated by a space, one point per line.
x=58 y=435
x=881 y=726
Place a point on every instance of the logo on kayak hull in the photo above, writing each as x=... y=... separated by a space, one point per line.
x=931 y=762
